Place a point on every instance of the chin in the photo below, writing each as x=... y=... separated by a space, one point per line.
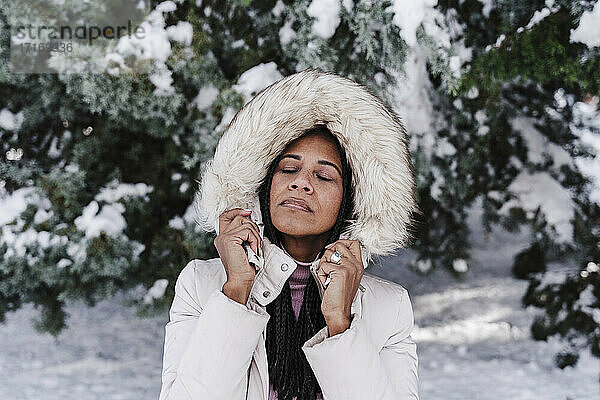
x=294 y=226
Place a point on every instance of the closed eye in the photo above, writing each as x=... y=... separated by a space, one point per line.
x=291 y=171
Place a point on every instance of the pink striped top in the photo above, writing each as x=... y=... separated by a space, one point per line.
x=297 y=282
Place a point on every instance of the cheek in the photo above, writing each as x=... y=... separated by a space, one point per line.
x=277 y=183
x=333 y=196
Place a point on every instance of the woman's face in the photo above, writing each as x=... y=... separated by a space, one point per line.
x=309 y=174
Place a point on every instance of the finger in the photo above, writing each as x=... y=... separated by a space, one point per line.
x=327 y=266
x=227 y=216
x=252 y=224
x=342 y=249
x=236 y=221
x=348 y=261
x=230 y=214
x=349 y=254
x=325 y=269
x=353 y=245
x=242 y=219
x=345 y=252
x=330 y=248
x=327 y=254
x=246 y=233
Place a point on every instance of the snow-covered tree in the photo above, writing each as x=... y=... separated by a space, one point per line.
x=534 y=93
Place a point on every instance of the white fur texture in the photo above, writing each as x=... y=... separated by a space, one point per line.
x=372 y=135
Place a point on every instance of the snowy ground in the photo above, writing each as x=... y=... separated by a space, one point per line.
x=472 y=337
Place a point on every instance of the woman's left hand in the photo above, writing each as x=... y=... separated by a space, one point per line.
x=344 y=281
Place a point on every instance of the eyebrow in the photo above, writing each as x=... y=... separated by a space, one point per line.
x=322 y=162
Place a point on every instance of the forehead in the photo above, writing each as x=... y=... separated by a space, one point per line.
x=315 y=146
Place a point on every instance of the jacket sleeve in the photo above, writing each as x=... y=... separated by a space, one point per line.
x=208 y=347
x=349 y=366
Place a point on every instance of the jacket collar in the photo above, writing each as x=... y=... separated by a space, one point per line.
x=273 y=271
x=275 y=266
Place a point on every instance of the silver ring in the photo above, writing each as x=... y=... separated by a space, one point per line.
x=335 y=257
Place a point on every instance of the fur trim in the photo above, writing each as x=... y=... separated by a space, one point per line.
x=372 y=135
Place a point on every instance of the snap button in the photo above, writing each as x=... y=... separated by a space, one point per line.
x=284 y=267
x=266 y=293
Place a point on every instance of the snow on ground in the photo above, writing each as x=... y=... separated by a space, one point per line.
x=473 y=336
x=472 y=339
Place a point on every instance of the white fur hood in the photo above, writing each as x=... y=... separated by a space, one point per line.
x=372 y=135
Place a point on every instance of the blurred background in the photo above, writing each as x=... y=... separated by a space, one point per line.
x=104 y=132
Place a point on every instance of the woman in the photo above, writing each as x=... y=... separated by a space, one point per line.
x=286 y=310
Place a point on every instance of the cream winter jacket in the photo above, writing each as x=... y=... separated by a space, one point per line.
x=215 y=347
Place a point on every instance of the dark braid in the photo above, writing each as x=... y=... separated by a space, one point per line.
x=289 y=371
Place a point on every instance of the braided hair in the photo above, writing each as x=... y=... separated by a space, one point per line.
x=289 y=371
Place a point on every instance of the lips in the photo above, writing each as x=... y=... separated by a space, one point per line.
x=296 y=203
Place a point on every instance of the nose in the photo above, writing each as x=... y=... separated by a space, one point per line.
x=301 y=180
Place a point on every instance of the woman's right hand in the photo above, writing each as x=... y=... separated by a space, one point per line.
x=235 y=228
